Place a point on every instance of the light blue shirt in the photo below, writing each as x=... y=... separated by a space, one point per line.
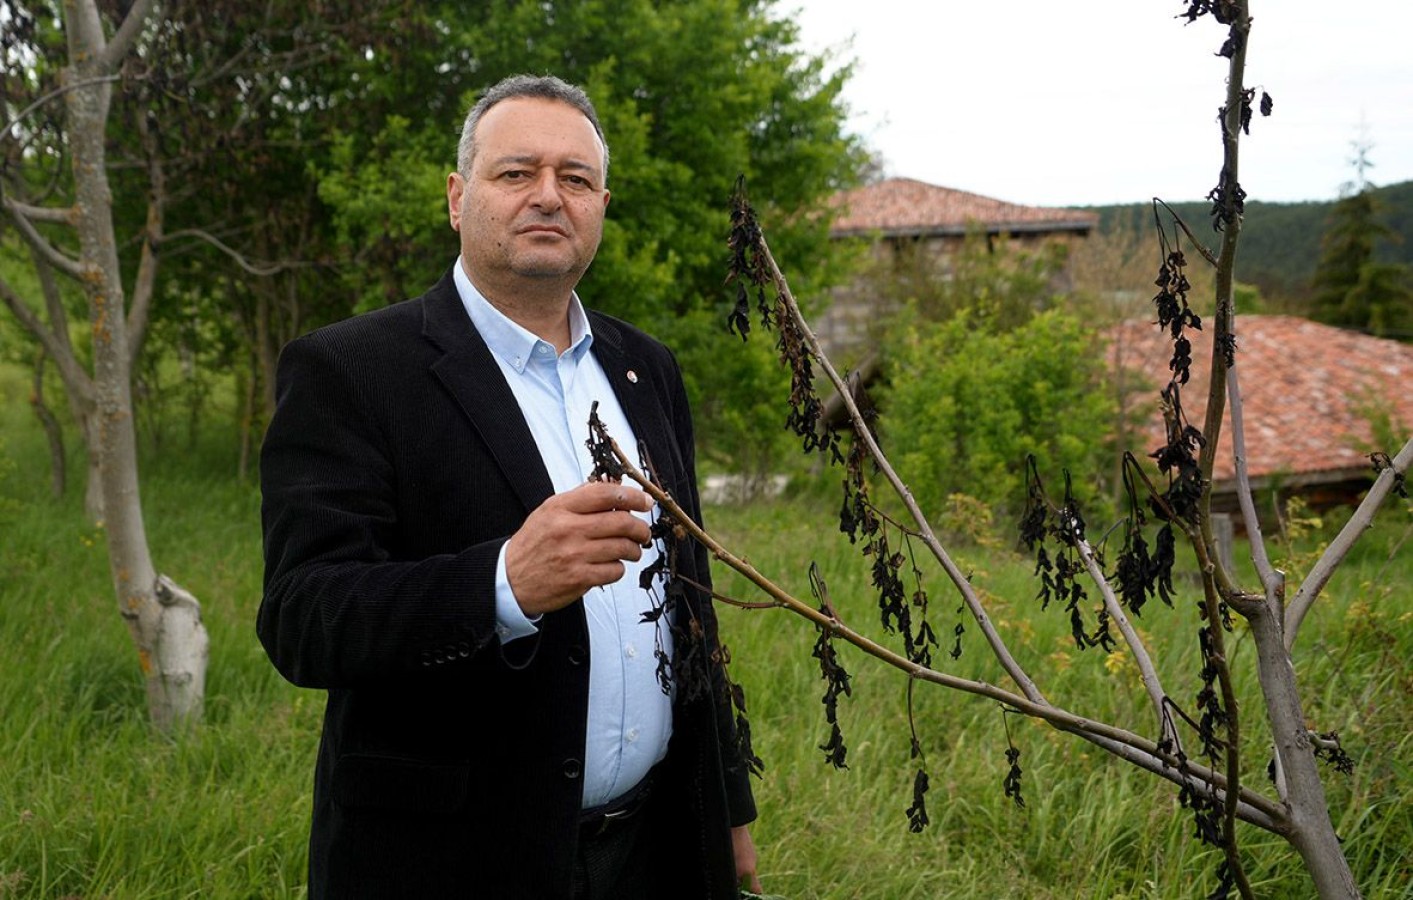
x=629 y=718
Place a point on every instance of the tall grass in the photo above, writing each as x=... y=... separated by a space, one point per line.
x=94 y=804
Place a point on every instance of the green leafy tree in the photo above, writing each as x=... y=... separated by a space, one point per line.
x=1354 y=288
x=691 y=94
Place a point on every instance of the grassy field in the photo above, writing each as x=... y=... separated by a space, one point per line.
x=93 y=804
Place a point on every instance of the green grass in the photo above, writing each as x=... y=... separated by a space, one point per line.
x=94 y=804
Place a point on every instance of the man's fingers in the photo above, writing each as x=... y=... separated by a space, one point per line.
x=601 y=496
x=615 y=524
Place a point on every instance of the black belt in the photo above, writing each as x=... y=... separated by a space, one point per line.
x=595 y=820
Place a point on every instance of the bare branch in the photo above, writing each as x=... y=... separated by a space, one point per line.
x=925 y=532
x=57 y=92
x=145 y=283
x=254 y=268
x=1135 y=644
x=58 y=215
x=76 y=380
x=1338 y=549
x=52 y=255
x=1178 y=221
x=1272 y=580
x=1262 y=811
x=27 y=317
x=126 y=34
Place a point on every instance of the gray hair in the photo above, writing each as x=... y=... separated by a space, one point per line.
x=544 y=87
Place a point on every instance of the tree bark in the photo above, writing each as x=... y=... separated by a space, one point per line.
x=164 y=621
x=53 y=431
x=1311 y=831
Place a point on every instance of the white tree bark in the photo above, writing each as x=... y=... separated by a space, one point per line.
x=164 y=621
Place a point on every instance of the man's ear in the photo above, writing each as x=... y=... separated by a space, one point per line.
x=454 y=186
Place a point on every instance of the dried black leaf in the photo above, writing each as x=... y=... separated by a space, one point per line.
x=1012 y=781
x=917 y=813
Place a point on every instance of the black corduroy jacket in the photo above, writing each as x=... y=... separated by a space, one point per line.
x=395 y=467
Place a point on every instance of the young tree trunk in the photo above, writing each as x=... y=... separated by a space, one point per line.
x=164 y=621
x=1311 y=831
x=53 y=431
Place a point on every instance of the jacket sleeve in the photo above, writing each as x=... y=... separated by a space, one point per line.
x=344 y=603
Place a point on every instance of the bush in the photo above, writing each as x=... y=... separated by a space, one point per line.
x=967 y=403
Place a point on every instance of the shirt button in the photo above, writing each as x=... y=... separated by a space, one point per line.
x=630 y=651
x=632 y=735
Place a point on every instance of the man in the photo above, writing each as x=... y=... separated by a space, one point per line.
x=437 y=560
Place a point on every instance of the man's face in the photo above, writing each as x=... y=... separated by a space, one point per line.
x=532 y=206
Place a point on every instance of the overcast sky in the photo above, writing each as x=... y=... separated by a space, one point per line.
x=1053 y=103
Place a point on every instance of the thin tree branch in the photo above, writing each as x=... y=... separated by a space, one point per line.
x=57 y=92
x=1362 y=519
x=58 y=215
x=1272 y=580
x=53 y=255
x=253 y=268
x=145 y=283
x=28 y=319
x=1177 y=220
x=1263 y=812
x=929 y=538
x=127 y=33
x=1146 y=669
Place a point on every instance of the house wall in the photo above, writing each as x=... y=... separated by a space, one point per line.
x=900 y=267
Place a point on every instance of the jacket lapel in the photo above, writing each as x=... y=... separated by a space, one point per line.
x=638 y=397
x=470 y=374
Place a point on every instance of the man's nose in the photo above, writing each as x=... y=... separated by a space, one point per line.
x=546 y=195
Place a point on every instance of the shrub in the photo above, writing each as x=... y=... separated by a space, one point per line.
x=967 y=403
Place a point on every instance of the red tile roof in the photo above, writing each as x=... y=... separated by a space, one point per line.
x=1307 y=390
x=903 y=206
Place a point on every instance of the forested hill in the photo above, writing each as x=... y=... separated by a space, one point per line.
x=1280 y=242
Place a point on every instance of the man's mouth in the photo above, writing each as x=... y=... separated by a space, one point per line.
x=544 y=229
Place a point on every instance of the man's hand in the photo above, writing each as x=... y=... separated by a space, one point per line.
x=745 y=850
x=573 y=542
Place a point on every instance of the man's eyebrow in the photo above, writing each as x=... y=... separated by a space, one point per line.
x=527 y=159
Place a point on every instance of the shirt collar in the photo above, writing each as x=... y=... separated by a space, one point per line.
x=506 y=338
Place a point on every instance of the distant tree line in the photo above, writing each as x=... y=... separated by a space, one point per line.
x=1282 y=244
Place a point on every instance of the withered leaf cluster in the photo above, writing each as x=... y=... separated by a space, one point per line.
x=1143 y=573
x=917 y=813
x=1177 y=458
x=691 y=665
x=888 y=543
x=1061 y=575
x=748 y=268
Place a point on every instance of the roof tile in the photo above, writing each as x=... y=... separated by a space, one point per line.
x=905 y=206
x=1307 y=391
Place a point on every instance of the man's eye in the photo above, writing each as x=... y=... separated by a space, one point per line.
x=515 y=175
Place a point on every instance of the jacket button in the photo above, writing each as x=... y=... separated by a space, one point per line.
x=573 y=768
x=576 y=655
x=463 y=649
x=425 y=658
